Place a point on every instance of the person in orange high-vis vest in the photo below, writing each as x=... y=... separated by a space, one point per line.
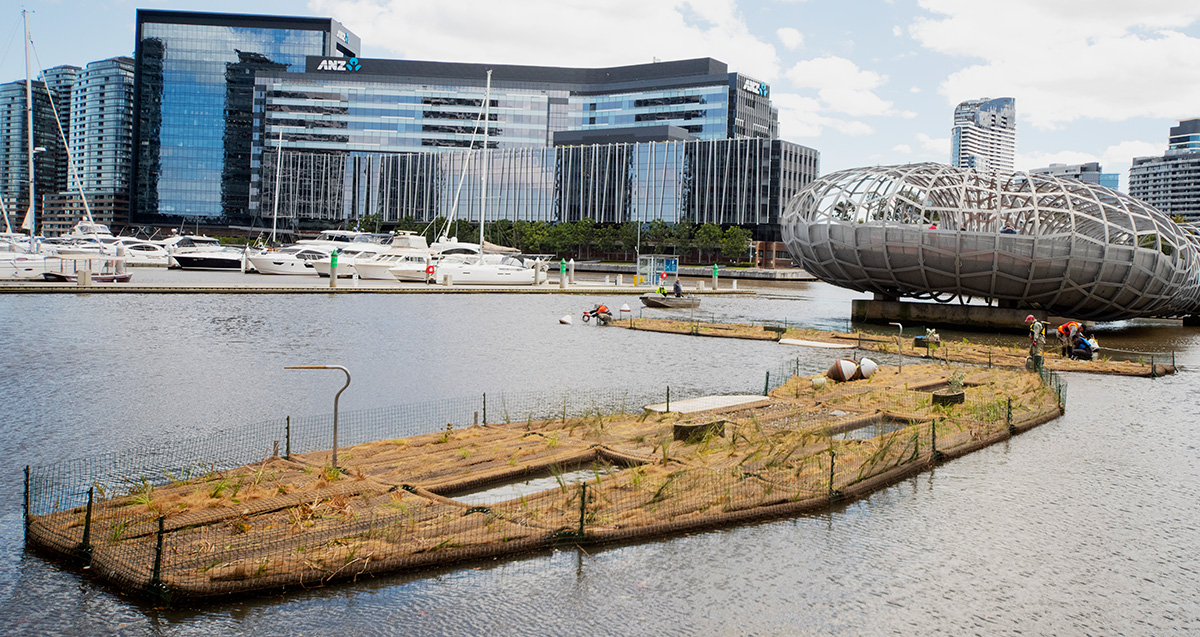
x=1066 y=336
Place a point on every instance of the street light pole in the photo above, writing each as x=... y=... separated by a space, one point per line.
x=335 y=401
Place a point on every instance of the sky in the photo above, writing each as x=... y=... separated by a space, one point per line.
x=865 y=82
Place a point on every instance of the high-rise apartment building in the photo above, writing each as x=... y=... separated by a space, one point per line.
x=193 y=90
x=1088 y=173
x=1171 y=183
x=14 y=149
x=61 y=82
x=101 y=143
x=984 y=136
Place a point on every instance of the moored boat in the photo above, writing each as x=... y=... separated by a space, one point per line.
x=662 y=301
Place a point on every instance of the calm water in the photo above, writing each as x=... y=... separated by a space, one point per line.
x=1086 y=525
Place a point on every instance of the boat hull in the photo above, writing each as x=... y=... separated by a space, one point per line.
x=670 y=302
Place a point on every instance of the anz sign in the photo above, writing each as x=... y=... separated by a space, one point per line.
x=339 y=64
x=759 y=88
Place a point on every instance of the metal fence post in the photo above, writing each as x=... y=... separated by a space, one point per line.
x=287 y=434
x=832 y=455
x=668 y=398
x=26 y=505
x=767 y=383
x=937 y=455
x=1008 y=418
x=582 y=505
x=485 y=408
x=85 y=547
x=156 y=587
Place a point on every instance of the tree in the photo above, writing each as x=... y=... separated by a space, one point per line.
x=708 y=238
x=656 y=233
x=629 y=237
x=585 y=232
x=736 y=243
x=607 y=238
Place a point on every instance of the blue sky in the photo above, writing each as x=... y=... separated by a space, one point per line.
x=865 y=82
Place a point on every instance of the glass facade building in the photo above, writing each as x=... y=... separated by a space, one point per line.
x=723 y=181
x=671 y=140
x=14 y=149
x=194 y=78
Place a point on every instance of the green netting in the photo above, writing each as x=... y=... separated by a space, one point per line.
x=258 y=506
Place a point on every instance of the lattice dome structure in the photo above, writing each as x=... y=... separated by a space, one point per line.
x=932 y=231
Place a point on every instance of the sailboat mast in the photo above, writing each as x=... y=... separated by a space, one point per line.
x=487 y=102
x=278 y=170
x=30 y=219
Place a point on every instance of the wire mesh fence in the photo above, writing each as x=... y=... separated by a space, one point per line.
x=261 y=506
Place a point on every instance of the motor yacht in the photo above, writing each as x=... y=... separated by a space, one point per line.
x=185 y=243
x=348 y=258
x=223 y=258
x=294 y=259
x=487 y=269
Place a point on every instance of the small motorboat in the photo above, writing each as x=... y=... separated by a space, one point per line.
x=668 y=302
x=62 y=277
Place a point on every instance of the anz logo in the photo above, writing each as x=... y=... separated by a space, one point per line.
x=760 y=88
x=339 y=65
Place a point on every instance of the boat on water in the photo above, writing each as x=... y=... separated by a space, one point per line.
x=407 y=249
x=668 y=302
x=348 y=258
x=224 y=258
x=185 y=244
x=487 y=269
x=68 y=268
x=482 y=268
x=292 y=260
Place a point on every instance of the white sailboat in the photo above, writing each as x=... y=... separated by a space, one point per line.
x=481 y=269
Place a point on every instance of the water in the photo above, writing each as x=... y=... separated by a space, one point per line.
x=1085 y=525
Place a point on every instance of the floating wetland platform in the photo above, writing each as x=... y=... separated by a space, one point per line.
x=964 y=351
x=297 y=520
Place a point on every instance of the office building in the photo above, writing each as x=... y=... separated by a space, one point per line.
x=14 y=149
x=984 y=136
x=367 y=138
x=1171 y=183
x=1088 y=173
x=193 y=91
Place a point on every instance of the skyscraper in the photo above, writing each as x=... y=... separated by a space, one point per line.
x=101 y=143
x=193 y=88
x=1171 y=183
x=984 y=136
x=61 y=81
x=14 y=148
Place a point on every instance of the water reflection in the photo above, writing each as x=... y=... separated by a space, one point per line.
x=1084 y=525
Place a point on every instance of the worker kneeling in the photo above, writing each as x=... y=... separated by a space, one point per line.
x=1083 y=348
x=600 y=313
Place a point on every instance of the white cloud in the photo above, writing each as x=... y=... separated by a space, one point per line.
x=897 y=31
x=526 y=31
x=843 y=87
x=903 y=148
x=939 y=146
x=801 y=116
x=1108 y=60
x=790 y=38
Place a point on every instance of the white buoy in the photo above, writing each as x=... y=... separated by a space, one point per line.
x=625 y=308
x=867 y=367
x=818 y=382
x=565 y=320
